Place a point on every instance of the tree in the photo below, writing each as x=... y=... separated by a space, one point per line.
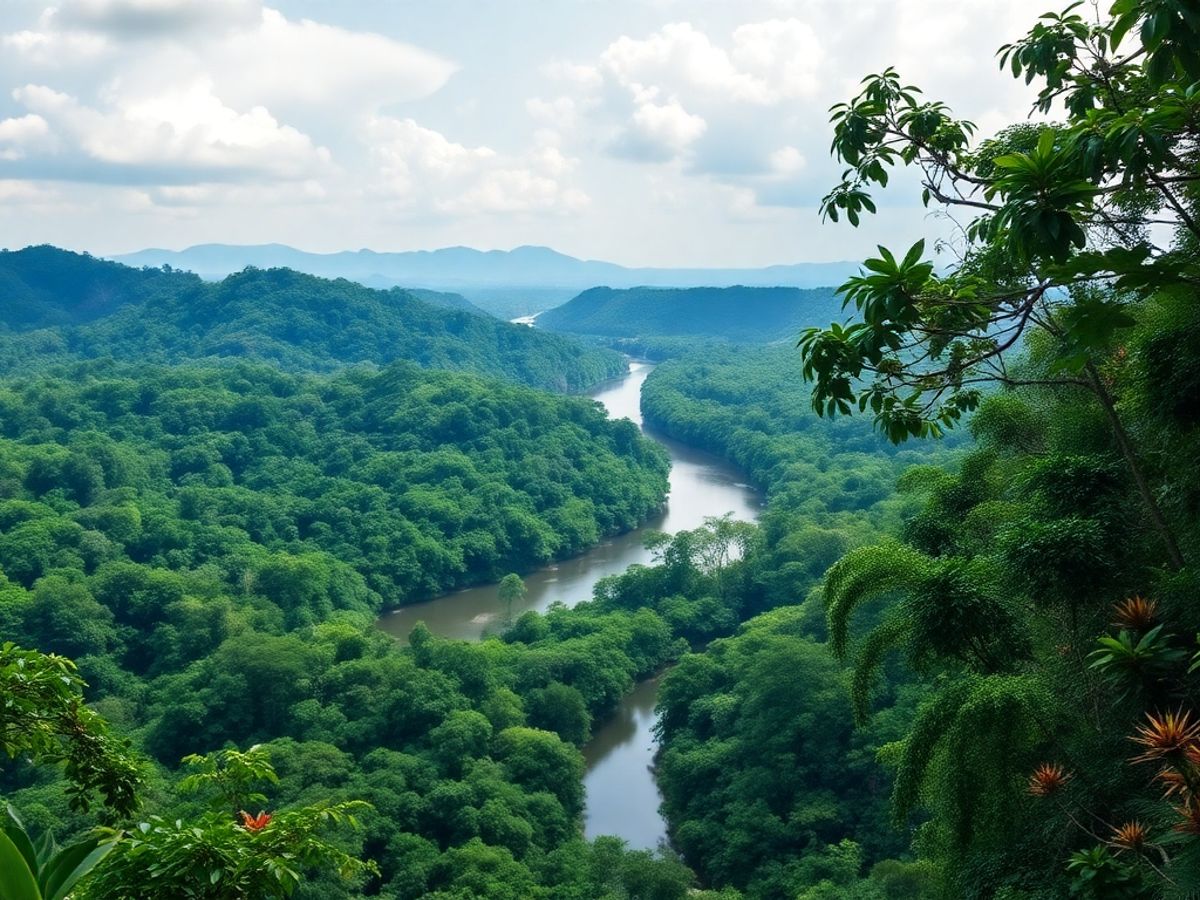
x=512 y=592
x=560 y=708
x=539 y=761
x=1062 y=242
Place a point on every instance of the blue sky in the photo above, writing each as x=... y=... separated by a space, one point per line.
x=649 y=132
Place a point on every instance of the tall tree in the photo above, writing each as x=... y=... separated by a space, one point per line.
x=1060 y=231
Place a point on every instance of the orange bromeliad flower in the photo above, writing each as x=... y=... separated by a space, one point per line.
x=1130 y=836
x=1192 y=754
x=1135 y=613
x=1047 y=779
x=1173 y=782
x=1189 y=813
x=255 y=823
x=1167 y=734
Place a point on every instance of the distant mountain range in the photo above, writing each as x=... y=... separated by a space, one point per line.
x=508 y=283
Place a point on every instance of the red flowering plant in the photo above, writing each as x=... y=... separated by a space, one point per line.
x=1142 y=661
x=230 y=852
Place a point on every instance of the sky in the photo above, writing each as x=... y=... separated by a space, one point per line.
x=644 y=132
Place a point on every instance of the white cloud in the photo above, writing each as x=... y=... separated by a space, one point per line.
x=744 y=107
x=658 y=132
x=24 y=192
x=681 y=95
x=153 y=18
x=767 y=62
x=294 y=66
x=179 y=121
x=422 y=170
x=581 y=76
x=254 y=56
x=561 y=112
x=20 y=134
x=177 y=135
x=175 y=92
x=787 y=161
x=784 y=56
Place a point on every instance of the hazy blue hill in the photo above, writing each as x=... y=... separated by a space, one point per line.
x=742 y=314
x=507 y=283
x=59 y=306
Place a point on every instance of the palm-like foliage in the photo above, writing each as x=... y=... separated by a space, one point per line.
x=947 y=611
x=1132 y=660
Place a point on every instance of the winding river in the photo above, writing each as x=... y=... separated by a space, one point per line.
x=622 y=798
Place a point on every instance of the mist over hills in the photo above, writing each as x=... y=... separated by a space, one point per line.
x=507 y=283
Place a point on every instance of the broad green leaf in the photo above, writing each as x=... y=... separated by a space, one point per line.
x=914 y=254
x=16 y=878
x=15 y=829
x=1045 y=144
x=72 y=864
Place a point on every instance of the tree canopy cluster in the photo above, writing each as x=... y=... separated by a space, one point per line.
x=1042 y=603
x=1021 y=647
x=355 y=492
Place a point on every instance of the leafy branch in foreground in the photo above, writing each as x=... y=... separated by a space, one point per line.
x=229 y=852
x=43 y=717
x=1063 y=234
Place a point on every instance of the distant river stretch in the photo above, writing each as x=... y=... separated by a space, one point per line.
x=622 y=798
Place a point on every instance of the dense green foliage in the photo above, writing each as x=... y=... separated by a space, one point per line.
x=212 y=545
x=469 y=797
x=1010 y=601
x=44 y=720
x=984 y=687
x=749 y=407
x=315 y=494
x=210 y=856
x=178 y=559
x=767 y=785
x=1045 y=595
x=830 y=484
x=57 y=306
x=739 y=314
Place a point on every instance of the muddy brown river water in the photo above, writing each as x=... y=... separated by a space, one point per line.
x=622 y=798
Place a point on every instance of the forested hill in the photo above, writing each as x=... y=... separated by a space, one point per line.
x=57 y=306
x=421 y=482
x=447 y=300
x=741 y=314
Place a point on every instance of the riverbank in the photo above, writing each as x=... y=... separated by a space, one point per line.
x=622 y=795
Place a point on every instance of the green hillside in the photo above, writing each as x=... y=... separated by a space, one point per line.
x=57 y=306
x=739 y=314
x=447 y=300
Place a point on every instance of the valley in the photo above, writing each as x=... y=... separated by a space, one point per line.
x=621 y=796
x=704 y=573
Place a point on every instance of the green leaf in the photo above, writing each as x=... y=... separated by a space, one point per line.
x=16 y=879
x=1045 y=144
x=72 y=864
x=914 y=254
x=15 y=829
